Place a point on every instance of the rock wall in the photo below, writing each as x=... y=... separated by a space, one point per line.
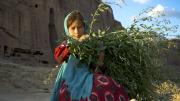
x=29 y=29
x=173 y=54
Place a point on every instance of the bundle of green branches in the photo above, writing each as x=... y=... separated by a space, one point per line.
x=86 y=50
x=130 y=59
x=131 y=54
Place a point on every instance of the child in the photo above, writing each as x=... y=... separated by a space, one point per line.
x=74 y=80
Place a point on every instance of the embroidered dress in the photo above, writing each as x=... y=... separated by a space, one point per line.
x=104 y=89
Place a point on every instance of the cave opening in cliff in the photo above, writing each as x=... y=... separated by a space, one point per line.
x=52 y=30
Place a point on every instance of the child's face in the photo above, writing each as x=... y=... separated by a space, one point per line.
x=76 y=29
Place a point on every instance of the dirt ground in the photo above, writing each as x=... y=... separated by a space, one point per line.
x=24 y=97
x=24 y=83
x=20 y=82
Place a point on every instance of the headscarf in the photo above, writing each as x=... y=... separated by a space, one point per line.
x=65 y=24
x=76 y=75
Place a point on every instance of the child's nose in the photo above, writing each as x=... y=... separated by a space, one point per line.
x=77 y=31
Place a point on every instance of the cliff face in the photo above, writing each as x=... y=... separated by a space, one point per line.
x=29 y=29
x=173 y=54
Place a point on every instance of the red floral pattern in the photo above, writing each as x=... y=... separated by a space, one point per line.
x=104 y=89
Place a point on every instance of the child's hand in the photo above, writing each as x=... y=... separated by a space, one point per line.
x=83 y=37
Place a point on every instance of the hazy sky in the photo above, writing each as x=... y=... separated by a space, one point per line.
x=132 y=8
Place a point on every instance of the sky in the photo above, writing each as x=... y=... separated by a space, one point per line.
x=132 y=8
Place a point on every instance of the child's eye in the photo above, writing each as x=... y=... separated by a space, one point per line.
x=79 y=26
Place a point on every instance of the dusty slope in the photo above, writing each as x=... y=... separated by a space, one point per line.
x=23 y=83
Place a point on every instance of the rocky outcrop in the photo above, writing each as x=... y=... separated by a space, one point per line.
x=173 y=54
x=29 y=29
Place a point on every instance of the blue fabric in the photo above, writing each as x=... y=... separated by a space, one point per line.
x=57 y=85
x=78 y=78
x=76 y=75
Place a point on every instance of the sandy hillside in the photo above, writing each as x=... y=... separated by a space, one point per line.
x=23 y=83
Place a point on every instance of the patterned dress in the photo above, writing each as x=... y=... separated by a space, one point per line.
x=104 y=89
